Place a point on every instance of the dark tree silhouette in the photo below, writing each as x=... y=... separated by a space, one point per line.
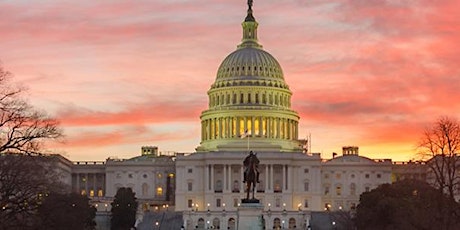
x=124 y=208
x=66 y=211
x=25 y=175
x=23 y=129
x=440 y=144
x=406 y=205
x=24 y=182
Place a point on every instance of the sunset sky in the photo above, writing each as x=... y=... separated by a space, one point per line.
x=123 y=74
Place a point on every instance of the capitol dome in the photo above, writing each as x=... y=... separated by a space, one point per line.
x=249 y=98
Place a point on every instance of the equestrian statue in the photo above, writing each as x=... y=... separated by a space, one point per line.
x=251 y=175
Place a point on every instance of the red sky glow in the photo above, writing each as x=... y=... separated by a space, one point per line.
x=123 y=74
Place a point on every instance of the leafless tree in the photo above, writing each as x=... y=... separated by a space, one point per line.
x=24 y=182
x=440 y=144
x=23 y=129
x=25 y=175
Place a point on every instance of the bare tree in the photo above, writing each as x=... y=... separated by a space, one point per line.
x=25 y=175
x=441 y=145
x=22 y=128
x=24 y=182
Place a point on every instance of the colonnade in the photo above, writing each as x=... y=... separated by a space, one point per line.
x=266 y=127
x=275 y=177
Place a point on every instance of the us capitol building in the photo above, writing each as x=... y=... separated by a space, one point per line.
x=248 y=99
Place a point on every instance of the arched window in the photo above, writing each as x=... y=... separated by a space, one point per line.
x=277 y=223
x=292 y=224
x=216 y=223
x=200 y=223
x=231 y=224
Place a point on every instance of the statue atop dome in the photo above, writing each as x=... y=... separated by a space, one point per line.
x=250 y=2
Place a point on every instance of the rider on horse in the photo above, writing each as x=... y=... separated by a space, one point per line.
x=246 y=163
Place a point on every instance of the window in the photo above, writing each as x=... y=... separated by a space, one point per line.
x=145 y=189
x=367 y=189
x=218 y=202
x=353 y=189
x=338 y=176
x=159 y=175
x=100 y=193
x=379 y=175
x=91 y=193
x=83 y=192
x=277 y=202
x=190 y=170
x=236 y=186
x=145 y=175
x=326 y=189
x=189 y=203
x=352 y=175
x=338 y=190
x=326 y=176
x=235 y=202
x=159 y=191
x=218 y=186
x=306 y=186
x=189 y=186
x=306 y=170
x=130 y=175
x=367 y=175
x=305 y=203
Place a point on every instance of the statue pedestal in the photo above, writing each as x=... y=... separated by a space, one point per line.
x=250 y=216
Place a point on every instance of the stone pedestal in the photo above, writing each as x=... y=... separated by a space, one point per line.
x=250 y=216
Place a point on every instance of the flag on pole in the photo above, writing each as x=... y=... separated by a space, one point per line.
x=245 y=134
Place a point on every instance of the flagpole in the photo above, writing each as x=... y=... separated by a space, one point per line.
x=248 y=143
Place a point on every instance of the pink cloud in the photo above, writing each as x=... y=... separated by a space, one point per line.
x=360 y=71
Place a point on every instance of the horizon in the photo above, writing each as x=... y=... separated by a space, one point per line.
x=119 y=75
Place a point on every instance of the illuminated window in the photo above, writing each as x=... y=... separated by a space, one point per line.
x=91 y=193
x=83 y=192
x=159 y=191
x=100 y=193
x=159 y=175
x=171 y=175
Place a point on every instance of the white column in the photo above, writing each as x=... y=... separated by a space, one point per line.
x=242 y=178
x=225 y=187
x=212 y=177
x=206 y=178
x=271 y=178
x=284 y=178
x=267 y=187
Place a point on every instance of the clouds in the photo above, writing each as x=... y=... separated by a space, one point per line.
x=118 y=73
